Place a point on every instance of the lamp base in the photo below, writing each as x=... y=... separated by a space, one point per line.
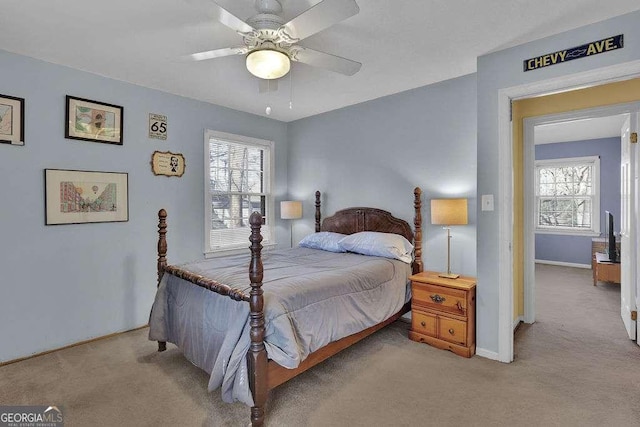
x=449 y=275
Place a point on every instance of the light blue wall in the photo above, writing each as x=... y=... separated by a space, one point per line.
x=577 y=249
x=375 y=153
x=503 y=69
x=66 y=283
x=63 y=284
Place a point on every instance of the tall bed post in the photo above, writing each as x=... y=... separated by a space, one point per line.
x=162 y=256
x=257 y=355
x=318 y=214
x=417 y=222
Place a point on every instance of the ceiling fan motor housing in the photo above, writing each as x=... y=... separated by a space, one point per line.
x=268 y=16
x=265 y=21
x=268 y=6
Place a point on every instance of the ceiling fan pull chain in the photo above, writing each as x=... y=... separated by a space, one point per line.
x=291 y=89
x=268 y=109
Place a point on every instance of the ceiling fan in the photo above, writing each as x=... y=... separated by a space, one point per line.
x=271 y=44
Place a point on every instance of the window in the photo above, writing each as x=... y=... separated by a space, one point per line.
x=237 y=183
x=568 y=196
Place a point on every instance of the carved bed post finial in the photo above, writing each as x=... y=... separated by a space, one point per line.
x=318 y=214
x=257 y=354
x=417 y=222
x=162 y=256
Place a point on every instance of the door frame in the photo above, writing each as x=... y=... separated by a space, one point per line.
x=506 y=174
x=529 y=172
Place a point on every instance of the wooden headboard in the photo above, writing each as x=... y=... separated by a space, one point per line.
x=354 y=220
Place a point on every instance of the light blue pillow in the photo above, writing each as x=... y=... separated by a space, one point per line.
x=386 y=245
x=324 y=240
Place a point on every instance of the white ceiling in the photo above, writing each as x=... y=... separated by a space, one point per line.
x=402 y=44
x=579 y=130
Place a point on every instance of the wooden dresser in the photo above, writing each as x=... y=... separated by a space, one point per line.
x=443 y=312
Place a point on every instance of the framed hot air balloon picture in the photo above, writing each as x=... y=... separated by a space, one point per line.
x=93 y=121
x=77 y=197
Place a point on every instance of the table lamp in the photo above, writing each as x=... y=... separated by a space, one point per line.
x=449 y=212
x=290 y=210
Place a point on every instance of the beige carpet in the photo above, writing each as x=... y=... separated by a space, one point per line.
x=573 y=367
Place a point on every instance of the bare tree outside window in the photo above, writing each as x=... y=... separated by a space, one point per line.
x=238 y=181
x=566 y=193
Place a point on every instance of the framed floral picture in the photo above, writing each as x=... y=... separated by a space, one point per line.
x=93 y=121
x=76 y=197
x=11 y=120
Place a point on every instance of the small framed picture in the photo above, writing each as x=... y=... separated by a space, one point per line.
x=77 y=197
x=93 y=121
x=11 y=120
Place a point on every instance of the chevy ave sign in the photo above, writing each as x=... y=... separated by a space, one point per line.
x=593 y=48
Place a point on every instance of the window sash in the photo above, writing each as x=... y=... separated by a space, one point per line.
x=567 y=195
x=237 y=182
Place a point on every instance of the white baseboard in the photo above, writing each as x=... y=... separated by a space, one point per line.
x=482 y=352
x=517 y=321
x=563 y=264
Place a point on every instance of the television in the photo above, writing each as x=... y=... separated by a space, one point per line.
x=610 y=238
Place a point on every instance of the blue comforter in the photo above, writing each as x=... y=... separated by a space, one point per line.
x=312 y=298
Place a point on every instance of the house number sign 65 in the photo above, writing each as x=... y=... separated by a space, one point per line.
x=157 y=126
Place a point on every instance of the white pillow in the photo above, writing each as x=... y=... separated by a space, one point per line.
x=324 y=240
x=386 y=245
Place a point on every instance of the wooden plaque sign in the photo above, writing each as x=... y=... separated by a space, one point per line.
x=167 y=163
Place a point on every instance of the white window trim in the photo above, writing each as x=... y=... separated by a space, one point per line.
x=270 y=211
x=595 y=226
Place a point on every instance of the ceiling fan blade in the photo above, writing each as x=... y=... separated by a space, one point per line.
x=326 y=61
x=319 y=17
x=230 y=20
x=217 y=53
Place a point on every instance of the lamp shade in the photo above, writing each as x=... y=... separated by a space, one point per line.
x=268 y=64
x=290 y=210
x=449 y=211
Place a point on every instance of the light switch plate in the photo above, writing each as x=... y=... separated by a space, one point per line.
x=487 y=202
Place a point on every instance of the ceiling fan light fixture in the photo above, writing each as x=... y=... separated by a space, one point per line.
x=268 y=64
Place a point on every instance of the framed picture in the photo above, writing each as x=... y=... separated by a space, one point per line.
x=93 y=121
x=76 y=197
x=167 y=163
x=11 y=120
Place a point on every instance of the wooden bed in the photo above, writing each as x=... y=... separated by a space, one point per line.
x=265 y=374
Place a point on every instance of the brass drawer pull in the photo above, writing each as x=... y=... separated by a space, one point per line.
x=459 y=306
x=438 y=299
x=423 y=323
x=451 y=331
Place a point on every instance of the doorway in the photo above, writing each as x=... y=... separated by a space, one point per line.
x=572 y=167
x=511 y=161
x=599 y=159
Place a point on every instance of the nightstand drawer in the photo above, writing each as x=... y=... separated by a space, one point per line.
x=440 y=298
x=424 y=323
x=452 y=330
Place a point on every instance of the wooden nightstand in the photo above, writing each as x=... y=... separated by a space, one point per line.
x=443 y=312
